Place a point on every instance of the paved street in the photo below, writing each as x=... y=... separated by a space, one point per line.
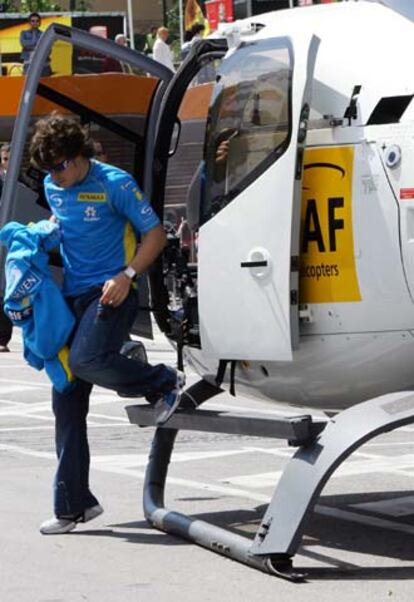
x=358 y=545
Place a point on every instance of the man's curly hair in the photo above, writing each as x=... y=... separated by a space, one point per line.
x=58 y=137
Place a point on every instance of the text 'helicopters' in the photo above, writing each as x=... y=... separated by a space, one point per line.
x=291 y=171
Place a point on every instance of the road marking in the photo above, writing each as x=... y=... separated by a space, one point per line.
x=94 y=425
x=399 y=506
x=32 y=384
x=7 y=389
x=255 y=481
x=372 y=521
x=106 y=464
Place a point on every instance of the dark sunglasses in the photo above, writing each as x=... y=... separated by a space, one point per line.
x=59 y=167
x=35 y=22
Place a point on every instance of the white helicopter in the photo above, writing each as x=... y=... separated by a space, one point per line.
x=299 y=267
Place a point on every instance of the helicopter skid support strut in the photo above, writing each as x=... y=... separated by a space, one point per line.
x=282 y=526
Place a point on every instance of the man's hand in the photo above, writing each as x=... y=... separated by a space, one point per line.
x=115 y=290
x=222 y=151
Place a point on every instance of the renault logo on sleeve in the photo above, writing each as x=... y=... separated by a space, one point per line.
x=57 y=200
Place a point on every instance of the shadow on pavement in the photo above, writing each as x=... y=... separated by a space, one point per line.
x=326 y=540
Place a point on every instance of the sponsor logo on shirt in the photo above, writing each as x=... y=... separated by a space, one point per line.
x=57 y=200
x=146 y=210
x=138 y=194
x=94 y=197
x=91 y=214
x=20 y=316
x=28 y=286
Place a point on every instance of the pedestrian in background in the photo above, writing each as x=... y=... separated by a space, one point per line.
x=121 y=39
x=186 y=47
x=99 y=151
x=112 y=65
x=6 y=327
x=4 y=159
x=162 y=52
x=29 y=39
x=150 y=40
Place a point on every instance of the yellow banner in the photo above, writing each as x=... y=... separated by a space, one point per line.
x=327 y=258
x=61 y=54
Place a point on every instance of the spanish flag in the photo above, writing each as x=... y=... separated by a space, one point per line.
x=193 y=14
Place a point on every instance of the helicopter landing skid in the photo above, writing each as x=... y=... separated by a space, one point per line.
x=282 y=527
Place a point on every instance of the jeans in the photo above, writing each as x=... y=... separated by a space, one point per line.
x=94 y=358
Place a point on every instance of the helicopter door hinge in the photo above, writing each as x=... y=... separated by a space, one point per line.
x=306 y=314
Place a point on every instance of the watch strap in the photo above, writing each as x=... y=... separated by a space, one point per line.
x=130 y=272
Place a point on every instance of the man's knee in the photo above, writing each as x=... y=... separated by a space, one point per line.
x=81 y=365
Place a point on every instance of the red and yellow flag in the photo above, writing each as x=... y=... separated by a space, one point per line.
x=193 y=14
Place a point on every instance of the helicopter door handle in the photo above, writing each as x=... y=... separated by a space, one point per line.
x=253 y=264
x=259 y=262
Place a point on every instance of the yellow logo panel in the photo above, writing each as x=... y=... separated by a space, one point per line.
x=327 y=259
x=92 y=197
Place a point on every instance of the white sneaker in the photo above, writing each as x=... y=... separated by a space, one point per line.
x=58 y=525
x=91 y=513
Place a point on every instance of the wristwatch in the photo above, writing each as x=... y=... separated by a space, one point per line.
x=130 y=272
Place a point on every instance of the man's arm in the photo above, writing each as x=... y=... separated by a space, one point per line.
x=27 y=42
x=116 y=289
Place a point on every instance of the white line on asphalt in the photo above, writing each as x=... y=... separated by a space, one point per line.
x=50 y=418
x=373 y=521
x=6 y=389
x=31 y=411
x=52 y=427
x=227 y=491
x=33 y=384
x=12 y=403
x=398 y=506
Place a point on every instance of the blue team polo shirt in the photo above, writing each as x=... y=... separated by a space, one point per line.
x=100 y=219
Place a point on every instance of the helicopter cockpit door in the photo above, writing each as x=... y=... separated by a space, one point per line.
x=248 y=243
x=113 y=90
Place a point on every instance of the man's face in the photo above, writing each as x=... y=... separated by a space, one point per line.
x=121 y=40
x=34 y=22
x=67 y=172
x=164 y=36
x=4 y=160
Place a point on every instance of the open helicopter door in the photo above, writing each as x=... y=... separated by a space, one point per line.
x=113 y=90
x=248 y=242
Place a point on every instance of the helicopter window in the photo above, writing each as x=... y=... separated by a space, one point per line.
x=110 y=98
x=248 y=125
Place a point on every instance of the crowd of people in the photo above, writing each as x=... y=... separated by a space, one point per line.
x=157 y=45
